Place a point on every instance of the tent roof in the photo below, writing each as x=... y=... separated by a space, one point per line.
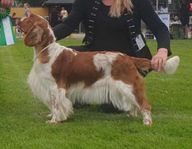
x=55 y=2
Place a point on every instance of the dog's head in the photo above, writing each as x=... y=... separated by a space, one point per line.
x=36 y=30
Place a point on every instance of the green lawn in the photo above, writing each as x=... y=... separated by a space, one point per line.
x=22 y=117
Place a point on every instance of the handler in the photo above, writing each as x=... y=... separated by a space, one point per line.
x=7 y=3
x=115 y=25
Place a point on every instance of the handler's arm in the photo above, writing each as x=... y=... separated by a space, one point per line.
x=72 y=21
x=158 y=28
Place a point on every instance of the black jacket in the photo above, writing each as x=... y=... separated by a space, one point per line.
x=112 y=33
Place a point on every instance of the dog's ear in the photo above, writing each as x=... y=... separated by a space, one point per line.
x=34 y=35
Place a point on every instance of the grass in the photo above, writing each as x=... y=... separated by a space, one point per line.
x=22 y=117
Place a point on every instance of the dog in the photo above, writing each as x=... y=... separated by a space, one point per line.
x=61 y=76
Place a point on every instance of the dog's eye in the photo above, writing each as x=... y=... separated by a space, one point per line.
x=19 y=28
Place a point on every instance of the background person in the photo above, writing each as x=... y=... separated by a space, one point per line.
x=54 y=17
x=7 y=3
x=184 y=17
x=63 y=14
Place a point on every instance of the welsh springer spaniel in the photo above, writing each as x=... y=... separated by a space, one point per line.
x=61 y=76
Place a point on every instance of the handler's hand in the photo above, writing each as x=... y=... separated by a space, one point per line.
x=158 y=61
x=7 y=3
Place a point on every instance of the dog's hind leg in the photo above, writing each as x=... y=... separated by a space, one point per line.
x=61 y=106
x=142 y=101
x=123 y=98
x=131 y=98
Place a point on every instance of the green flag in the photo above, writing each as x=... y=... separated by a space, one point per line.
x=7 y=35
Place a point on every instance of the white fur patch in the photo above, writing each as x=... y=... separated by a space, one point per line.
x=23 y=18
x=104 y=62
x=40 y=79
x=105 y=90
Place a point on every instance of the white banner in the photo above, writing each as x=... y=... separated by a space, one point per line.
x=8 y=30
x=165 y=18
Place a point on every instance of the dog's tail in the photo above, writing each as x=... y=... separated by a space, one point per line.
x=170 y=67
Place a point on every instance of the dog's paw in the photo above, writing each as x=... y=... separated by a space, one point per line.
x=147 y=122
x=147 y=119
x=49 y=115
x=133 y=113
x=53 y=122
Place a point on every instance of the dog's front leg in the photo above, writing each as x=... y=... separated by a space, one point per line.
x=61 y=106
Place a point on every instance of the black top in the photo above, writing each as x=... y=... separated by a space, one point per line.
x=112 y=33
x=184 y=13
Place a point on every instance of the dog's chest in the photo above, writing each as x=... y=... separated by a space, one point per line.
x=41 y=81
x=40 y=78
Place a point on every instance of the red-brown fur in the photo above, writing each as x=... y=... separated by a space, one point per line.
x=70 y=69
